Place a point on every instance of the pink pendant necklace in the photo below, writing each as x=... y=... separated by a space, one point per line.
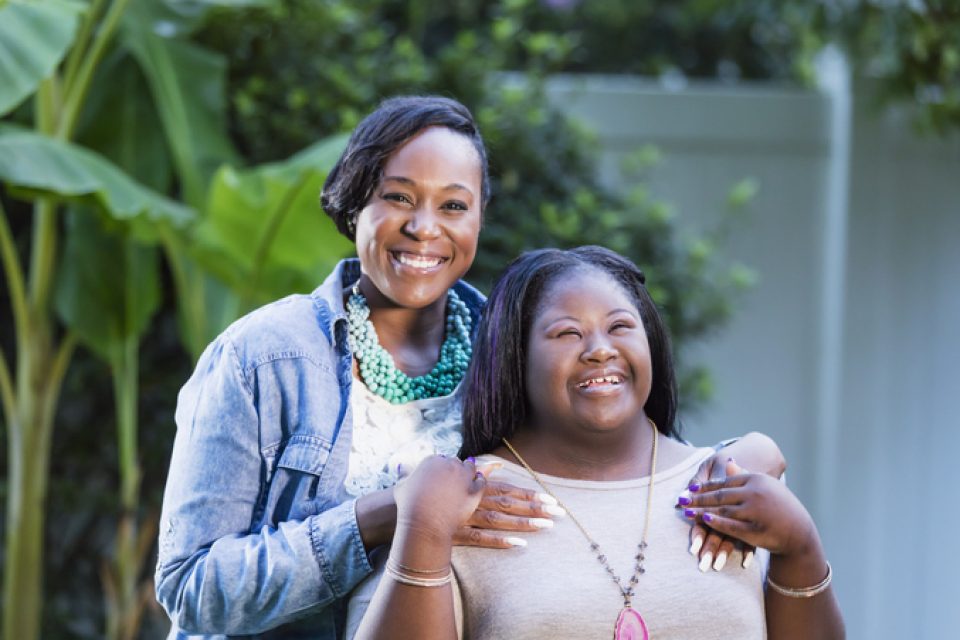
x=630 y=624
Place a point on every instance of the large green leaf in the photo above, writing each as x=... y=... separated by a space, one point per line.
x=34 y=38
x=120 y=121
x=264 y=232
x=108 y=287
x=188 y=86
x=35 y=164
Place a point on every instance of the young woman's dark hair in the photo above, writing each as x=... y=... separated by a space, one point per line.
x=495 y=394
x=352 y=181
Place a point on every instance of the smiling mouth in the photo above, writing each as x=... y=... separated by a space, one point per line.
x=416 y=260
x=602 y=380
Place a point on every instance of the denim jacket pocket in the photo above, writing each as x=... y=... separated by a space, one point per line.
x=292 y=490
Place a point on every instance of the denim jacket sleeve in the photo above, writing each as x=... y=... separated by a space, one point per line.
x=223 y=566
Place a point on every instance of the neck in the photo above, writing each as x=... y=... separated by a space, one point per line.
x=412 y=336
x=620 y=455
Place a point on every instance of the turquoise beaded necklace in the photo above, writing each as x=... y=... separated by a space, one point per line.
x=378 y=370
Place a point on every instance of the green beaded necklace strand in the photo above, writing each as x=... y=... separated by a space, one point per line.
x=380 y=373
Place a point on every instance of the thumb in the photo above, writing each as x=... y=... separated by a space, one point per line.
x=734 y=469
x=487 y=469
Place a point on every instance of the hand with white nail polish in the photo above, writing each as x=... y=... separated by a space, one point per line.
x=757 y=451
x=506 y=508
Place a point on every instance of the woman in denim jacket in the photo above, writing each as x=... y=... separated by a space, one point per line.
x=299 y=417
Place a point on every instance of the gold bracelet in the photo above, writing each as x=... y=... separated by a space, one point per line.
x=805 y=592
x=427 y=572
x=416 y=581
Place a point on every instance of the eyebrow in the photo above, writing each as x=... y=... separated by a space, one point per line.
x=453 y=186
x=612 y=312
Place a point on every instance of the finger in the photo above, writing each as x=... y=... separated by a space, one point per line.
x=722 y=496
x=697 y=533
x=703 y=471
x=730 y=481
x=499 y=521
x=505 y=497
x=724 y=550
x=731 y=526
x=709 y=551
x=719 y=469
x=471 y=537
x=508 y=504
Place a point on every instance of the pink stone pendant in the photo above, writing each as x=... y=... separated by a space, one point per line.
x=630 y=626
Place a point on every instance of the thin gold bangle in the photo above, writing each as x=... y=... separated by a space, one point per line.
x=805 y=592
x=416 y=581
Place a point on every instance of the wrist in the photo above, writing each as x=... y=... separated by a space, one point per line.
x=420 y=546
x=800 y=568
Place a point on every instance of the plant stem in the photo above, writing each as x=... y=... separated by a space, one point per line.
x=14 y=274
x=77 y=91
x=191 y=308
x=79 y=50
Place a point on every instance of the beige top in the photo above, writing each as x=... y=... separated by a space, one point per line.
x=556 y=588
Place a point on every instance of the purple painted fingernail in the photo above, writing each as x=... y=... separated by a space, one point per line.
x=707 y=517
x=690 y=513
x=472 y=460
x=684 y=500
x=694 y=486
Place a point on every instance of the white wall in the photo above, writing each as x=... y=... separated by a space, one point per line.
x=847 y=351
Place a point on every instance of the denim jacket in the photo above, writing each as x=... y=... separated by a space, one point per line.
x=258 y=535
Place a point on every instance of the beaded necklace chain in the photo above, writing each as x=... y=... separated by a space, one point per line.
x=630 y=624
x=380 y=373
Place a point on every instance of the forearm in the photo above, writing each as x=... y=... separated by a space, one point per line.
x=243 y=584
x=757 y=452
x=790 y=618
x=401 y=611
x=377 y=518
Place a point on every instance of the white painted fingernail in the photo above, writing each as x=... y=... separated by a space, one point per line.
x=747 y=559
x=546 y=498
x=695 y=545
x=554 y=510
x=721 y=560
x=706 y=561
x=541 y=523
x=515 y=542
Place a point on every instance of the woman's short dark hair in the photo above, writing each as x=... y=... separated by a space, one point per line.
x=495 y=395
x=352 y=181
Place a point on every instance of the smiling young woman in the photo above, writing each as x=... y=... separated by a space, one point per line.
x=582 y=407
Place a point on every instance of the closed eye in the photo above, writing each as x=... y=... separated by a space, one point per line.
x=568 y=332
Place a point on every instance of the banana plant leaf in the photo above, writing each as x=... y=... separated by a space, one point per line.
x=108 y=288
x=34 y=38
x=264 y=232
x=188 y=86
x=32 y=164
x=120 y=122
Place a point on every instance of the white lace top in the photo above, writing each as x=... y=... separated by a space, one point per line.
x=386 y=435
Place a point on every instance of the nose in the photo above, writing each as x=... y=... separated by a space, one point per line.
x=422 y=224
x=599 y=349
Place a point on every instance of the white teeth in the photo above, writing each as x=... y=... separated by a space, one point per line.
x=601 y=380
x=418 y=262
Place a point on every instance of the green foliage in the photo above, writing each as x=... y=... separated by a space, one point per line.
x=34 y=38
x=912 y=49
